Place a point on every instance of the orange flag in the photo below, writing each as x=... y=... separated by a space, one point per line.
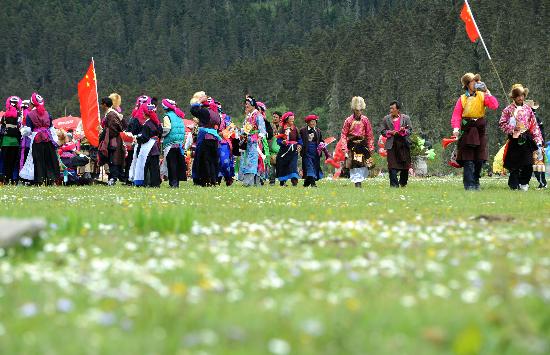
x=89 y=105
x=468 y=18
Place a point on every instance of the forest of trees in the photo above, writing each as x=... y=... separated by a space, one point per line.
x=307 y=56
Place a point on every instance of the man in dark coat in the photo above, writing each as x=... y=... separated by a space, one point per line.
x=112 y=147
x=397 y=128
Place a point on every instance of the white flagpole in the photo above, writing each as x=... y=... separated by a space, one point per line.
x=96 y=94
x=98 y=112
x=484 y=46
x=477 y=29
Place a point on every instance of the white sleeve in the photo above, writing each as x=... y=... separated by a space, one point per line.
x=188 y=140
x=166 y=126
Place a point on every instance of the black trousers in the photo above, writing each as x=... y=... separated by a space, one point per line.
x=46 y=164
x=10 y=159
x=403 y=177
x=152 y=171
x=520 y=176
x=115 y=170
x=208 y=163
x=541 y=177
x=471 y=174
x=309 y=181
x=127 y=164
x=177 y=169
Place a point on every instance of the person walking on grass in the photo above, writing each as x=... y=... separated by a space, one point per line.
x=397 y=128
x=111 y=148
x=252 y=167
x=357 y=142
x=290 y=144
x=519 y=123
x=312 y=139
x=274 y=147
x=173 y=131
x=469 y=126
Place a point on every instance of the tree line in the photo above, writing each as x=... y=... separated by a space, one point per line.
x=307 y=56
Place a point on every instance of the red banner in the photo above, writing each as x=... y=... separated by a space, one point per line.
x=89 y=105
x=467 y=17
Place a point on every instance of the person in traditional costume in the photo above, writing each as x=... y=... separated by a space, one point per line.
x=469 y=125
x=25 y=141
x=252 y=167
x=10 y=140
x=273 y=146
x=357 y=142
x=145 y=169
x=173 y=131
x=138 y=118
x=519 y=123
x=42 y=164
x=132 y=127
x=127 y=139
x=111 y=147
x=397 y=128
x=290 y=143
x=225 y=149
x=70 y=158
x=90 y=171
x=205 y=162
x=313 y=143
x=539 y=166
x=269 y=136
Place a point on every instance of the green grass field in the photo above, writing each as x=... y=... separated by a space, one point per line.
x=429 y=269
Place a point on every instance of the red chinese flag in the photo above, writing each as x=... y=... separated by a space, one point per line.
x=89 y=106
x=471 y=30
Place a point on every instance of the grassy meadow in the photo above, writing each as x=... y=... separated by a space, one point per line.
x=428 y=269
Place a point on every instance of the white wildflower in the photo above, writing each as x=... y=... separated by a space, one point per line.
x=408 y=301
x=278 y=347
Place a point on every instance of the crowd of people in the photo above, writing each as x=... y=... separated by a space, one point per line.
x=142 y=149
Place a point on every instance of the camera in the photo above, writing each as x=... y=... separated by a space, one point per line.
x=480 y=86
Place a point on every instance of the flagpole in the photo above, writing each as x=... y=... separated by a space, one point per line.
x=98 y=112
x=484 y=46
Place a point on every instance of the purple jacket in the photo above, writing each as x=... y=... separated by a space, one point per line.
x=40 y=124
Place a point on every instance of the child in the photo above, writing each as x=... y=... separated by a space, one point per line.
x=313 y=144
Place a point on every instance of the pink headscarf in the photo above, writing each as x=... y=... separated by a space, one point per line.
x=211 y=104
x=262 y=108
x=137 y=112
x=150 y=111
x=26 y=110
x=286 y=116
x=38 y=102
x=171 y=104
x=13 y=104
